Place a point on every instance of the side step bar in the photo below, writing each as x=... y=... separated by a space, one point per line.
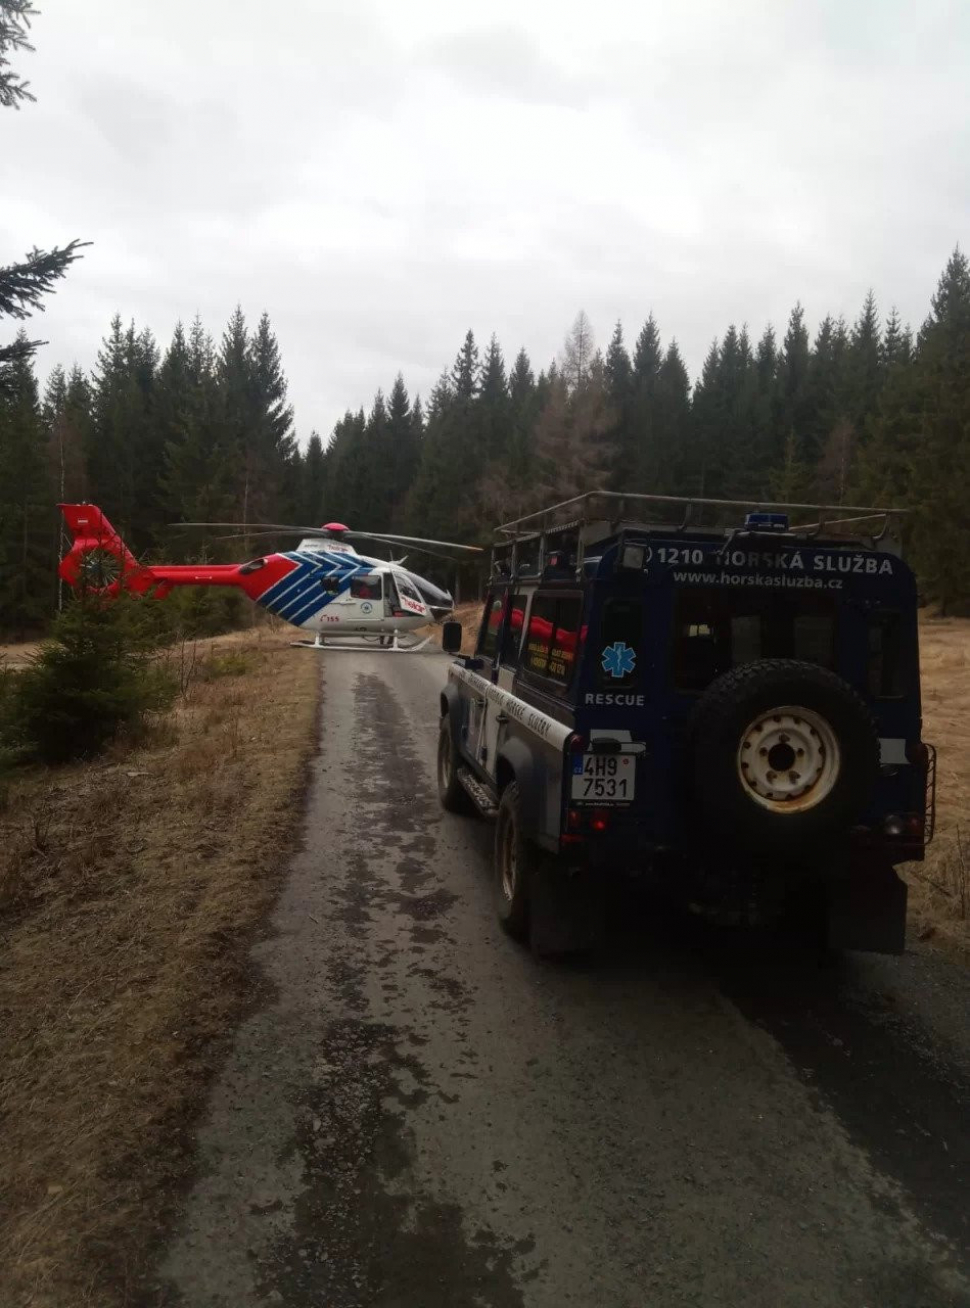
x=481 y=798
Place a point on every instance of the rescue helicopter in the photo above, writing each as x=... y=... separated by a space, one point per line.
x=324 y=587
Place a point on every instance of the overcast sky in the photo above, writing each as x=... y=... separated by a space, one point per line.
x=382 y=175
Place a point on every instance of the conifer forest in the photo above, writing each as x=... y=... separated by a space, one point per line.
x=200 y=428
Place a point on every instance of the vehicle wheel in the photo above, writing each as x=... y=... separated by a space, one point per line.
x=784 y=757
x=451 y=792
x=515 y=860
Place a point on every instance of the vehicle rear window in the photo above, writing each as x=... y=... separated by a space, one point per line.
x=553 y=637
x=714 y=632
x=621 y=640
x=512 y=640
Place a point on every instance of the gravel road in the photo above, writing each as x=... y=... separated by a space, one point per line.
x=419 y=1115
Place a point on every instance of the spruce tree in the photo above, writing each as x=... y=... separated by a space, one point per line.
x=619 y=387
x=671 y=423
x=313 y=483
x=639 y=460
x=793 y=407
x=703 y=459
x=940 y=460
x=124 y=452
x=23 y=285
x=404 y=432
x=26 y=504
x=15 y=16
x=897 y=345
x=494 y=408
x=864 y=364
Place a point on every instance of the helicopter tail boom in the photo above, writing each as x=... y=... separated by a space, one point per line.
x=99 y=560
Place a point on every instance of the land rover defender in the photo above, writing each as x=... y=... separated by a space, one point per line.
x=723 y=696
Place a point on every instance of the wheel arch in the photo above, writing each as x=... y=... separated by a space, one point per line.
x=515 y=762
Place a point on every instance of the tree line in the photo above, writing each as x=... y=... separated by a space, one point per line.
x=203 y=430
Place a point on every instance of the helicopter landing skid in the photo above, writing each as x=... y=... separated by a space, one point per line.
x=393 y=646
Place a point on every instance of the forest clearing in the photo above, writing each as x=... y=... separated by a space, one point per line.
x=130 y=886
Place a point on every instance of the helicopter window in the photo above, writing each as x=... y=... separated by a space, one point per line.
x=367 y=588
x=331 y=585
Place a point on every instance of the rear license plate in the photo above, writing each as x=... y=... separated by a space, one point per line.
x=604 y=778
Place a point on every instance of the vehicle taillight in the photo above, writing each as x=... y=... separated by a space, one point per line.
x=918 y=753
x=577 y=745
x=599 y=822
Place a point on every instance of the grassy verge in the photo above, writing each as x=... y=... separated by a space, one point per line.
x=940 y=887
x=129 y=888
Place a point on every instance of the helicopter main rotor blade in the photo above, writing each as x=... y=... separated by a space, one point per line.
x=256 y=527
x=252 y=528
x=247 y=535
x=410 y=540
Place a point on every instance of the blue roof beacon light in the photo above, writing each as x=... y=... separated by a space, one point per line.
x=766 y=522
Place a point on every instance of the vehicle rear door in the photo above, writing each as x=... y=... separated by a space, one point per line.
x=486 y=650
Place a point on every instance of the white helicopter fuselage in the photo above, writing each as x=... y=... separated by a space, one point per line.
x=331 y=590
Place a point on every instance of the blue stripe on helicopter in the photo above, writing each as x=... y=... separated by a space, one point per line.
x=305 y=566
x=310 y=598
x=298 y=595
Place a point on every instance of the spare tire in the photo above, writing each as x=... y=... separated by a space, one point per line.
x=783 y=756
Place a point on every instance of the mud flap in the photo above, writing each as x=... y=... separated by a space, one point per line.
x=566 y=909
x=867 y=909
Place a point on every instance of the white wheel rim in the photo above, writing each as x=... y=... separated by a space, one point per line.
x=789 y=759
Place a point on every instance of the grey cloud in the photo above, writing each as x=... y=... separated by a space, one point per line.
x=505 y=61
x=382 y=177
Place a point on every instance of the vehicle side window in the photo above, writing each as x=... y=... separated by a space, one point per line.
x=885 y=672
x=621 y=642
x=488 y=637
x=565 y=640
x=368 y=587
x=512 y=641
x=539 y=635
x=331 y=585
x=553 y=636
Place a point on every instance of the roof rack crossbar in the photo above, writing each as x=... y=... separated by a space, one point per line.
x=541 y=516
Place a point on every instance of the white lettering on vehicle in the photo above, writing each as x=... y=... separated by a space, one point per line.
x=540 y=724
x=604 y=700
x=784 y=561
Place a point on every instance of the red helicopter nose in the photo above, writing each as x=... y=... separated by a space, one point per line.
x=334 y=526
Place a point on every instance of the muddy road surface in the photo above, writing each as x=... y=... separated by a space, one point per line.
x=419 y=1115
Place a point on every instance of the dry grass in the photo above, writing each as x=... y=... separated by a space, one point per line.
x=940 y=888
x=130 y=887
x=470 y=617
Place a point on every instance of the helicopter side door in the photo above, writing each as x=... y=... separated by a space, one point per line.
x=361 y=605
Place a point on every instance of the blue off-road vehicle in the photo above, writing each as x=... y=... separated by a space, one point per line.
x=723 y=696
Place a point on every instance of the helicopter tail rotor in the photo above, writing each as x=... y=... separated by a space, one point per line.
x=99 y=561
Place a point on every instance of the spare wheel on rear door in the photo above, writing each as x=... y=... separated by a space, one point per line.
x=784 y=756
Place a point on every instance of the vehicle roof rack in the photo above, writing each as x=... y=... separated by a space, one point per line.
x=599 y=514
